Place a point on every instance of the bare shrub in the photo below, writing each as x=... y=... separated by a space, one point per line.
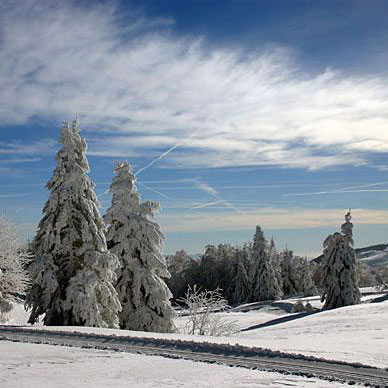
x=202 y=308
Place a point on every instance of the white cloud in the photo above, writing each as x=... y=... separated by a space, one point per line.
x=132 y=77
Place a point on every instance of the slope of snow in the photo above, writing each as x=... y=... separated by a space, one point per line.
x=374 y=258
x=31 y=365
x=353 y=334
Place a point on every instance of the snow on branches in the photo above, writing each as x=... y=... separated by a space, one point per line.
x=340 y=279
x=265 y=284
x=137 y=241
x=73 y=271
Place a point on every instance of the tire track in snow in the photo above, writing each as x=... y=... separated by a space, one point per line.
x=231 y=355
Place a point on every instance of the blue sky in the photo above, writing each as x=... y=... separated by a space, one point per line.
x=267 y=112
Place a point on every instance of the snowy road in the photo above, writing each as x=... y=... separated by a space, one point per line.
x=260 y=359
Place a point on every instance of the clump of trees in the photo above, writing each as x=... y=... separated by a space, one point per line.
x=76 y=279
x=252 y=272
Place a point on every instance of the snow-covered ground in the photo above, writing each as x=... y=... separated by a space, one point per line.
x=29 y=365
x=354 y=334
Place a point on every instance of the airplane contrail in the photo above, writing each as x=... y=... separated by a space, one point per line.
x=158 y=158
x=104 y=193
x=207 y=204
x=155 y=191
x=335 y=192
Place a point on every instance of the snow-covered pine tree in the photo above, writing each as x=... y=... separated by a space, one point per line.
x=275 y=259
x=13 y=277
x=178 y=265
x=264 y=283
x=238 y=290
x=137 y=241
x=288 y=273
x=208 y=277
x=303 y=273
x=73 y=272
x=340 y=279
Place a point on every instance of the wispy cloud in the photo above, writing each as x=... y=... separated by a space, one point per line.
x=206 y=188
x=43 y=146
x=268 y=217
x=12 y=195
x=135 y=79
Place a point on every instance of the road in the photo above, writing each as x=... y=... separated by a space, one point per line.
x=237 y=356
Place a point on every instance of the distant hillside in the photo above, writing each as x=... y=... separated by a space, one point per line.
x=374 y=255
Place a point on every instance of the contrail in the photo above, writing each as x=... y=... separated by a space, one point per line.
x=335 y=192
x=158 y=158
x=104 y=193
x=155 y=191
x=207 y=204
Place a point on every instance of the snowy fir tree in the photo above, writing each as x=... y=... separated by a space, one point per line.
x=275 y=259
x=303 y=273
x=209 y=278
x=340 y=279
x=137 y=241
x=264 y=283
x=73 y=273
x=178 y=266
x=289 y=280
x=238 y=290
x=13 y=277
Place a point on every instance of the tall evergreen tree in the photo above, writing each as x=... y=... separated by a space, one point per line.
x=178 y=266
x=340 y=279
x=275 y=259
x=264 y=282
x=289 y=278
x=73 y=272
x=137 y=240
x=303 y=272
x=238 y=290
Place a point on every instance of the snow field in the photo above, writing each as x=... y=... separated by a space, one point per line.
x=29 y=365
x=353 y=334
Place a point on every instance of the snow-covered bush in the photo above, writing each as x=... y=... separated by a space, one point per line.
x=264 y=282
x=73 y=272
x=137 y=241
x=203 y=308
x=298 y=307
x=365 y=275
x=382 y=278
x=340 y=279
x=13 y=277
x=5 y=307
